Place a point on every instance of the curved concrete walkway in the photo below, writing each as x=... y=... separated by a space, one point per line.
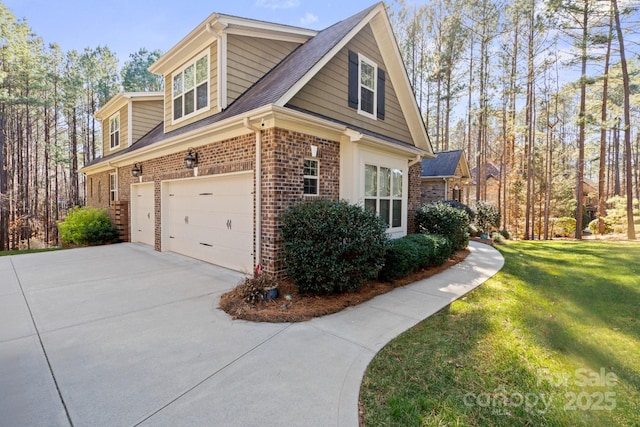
x=121 y=335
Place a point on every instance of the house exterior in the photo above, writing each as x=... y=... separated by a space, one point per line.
x=491 y=188
x=257 y=117
x=444 y=177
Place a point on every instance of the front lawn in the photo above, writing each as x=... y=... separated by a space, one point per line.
x=552 y=339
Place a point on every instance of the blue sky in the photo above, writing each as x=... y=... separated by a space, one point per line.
x=128 y=25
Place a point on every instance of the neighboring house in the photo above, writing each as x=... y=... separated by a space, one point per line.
x=590 y=198
x=444 y=177
x=258 y=117
x=492 y=184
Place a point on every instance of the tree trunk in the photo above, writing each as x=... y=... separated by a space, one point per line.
x=631 y=230
x=602 y=200
x=582 y=118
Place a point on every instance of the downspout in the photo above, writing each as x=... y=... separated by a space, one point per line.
x=446 y=189
x=258 y=192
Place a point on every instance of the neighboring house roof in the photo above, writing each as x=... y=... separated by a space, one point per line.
x=492 y=170
x=283 y=81
x=445 y=165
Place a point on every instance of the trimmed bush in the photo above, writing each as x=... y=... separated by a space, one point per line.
x=608 y=226
x=332 y=247
x=459 y=205
x=487 y=217
x=505 y=234
x=413 y=252
x=87 y=226
x=444 y=220
x=564 y=226
x=403 y=257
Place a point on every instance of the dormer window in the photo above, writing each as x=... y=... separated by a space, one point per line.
x=114 y=131
x=366 y=86
x=191 y=88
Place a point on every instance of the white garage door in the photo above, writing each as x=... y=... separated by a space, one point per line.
x=210 y=219
x=143 y=217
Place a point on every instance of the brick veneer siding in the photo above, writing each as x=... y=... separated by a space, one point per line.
x=414 y=195
x=432 y=191
x=283 y=154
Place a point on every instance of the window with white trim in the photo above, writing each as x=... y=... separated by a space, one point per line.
x=368 y=77
x=311 y=177
x=383 y=193
x=190 y=88
x=113 y=187
x=114 y=131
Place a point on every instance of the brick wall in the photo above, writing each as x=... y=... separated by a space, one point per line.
x=432 y=191
x=414 y=201
x=283 y=154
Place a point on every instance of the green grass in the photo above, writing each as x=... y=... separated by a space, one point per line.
x=558 y=315
x=28 y=251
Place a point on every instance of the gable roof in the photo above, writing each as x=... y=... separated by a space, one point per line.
x=283 y=81
x=445 y=165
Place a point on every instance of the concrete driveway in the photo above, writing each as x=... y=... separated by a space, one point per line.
x=122 y=335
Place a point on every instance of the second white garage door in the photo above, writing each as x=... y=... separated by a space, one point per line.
x=210 y=219
x=143 y=217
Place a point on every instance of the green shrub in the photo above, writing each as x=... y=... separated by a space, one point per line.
x=497 y=237
x=459 y=205
x=332 y=247
x=473 y=230
x=487 y=216
x=439 y=218
x=87 y=226
x=402 y=257
x=413 y=252
x=564 y=226
x=608 y=226
x=505 y=234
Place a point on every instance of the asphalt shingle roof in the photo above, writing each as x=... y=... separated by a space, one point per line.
x=270 y=88
x=444 y=164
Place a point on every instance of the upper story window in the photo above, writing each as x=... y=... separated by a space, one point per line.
x=366 y=86
x=114 y=131
x=367 y=99
x=311 y=177
x=191 y=88
x=383 y=193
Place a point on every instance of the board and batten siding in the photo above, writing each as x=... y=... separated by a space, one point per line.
x=327 y=92
x=213 y=92
x=250 y=58
x=124 y=131
x=145 y=116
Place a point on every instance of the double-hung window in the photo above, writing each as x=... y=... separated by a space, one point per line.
x=114 y=131
x=311 y=177
x=366 y=86
x=113 y=187
x=383 y=193
x=191 y=88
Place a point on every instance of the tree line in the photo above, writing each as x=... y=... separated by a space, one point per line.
x=541 y=90
x=47 y=130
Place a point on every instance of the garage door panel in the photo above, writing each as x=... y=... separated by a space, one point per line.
x=212 y=219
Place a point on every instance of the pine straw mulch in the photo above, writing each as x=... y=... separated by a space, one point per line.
x=302 y=307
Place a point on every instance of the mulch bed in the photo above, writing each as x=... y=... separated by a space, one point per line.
x=302 y=307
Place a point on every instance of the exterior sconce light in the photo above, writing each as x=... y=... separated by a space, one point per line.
x=136 y=170
x=314 y=151
x=191 y=159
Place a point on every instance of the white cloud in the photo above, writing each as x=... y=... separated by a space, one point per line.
x=277 y=4
x=308 y=19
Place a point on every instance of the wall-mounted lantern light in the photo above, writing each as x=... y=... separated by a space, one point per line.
x=136 y=170
x=314 y=151
x=191 y=159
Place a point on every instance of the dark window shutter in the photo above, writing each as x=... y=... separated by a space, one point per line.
x=353 y=80
x=380 y=90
